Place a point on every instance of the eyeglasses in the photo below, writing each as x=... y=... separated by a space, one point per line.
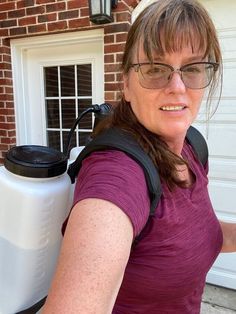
x=196 y=75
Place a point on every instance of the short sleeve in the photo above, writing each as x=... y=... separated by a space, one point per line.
x=113 y=176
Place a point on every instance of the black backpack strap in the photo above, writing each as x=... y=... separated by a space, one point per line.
x=34 y=308
x=117 y=139
x=198 y=143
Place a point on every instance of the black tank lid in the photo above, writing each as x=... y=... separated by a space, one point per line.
x=35 y=161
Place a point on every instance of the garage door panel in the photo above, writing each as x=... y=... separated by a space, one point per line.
x=221 y=195
x=226 y=111
x=222 y=12
x=222 y=272
x=221 y=139
x=229 y=89
x=227 y=39
x=222 y=169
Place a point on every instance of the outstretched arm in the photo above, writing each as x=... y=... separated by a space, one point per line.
x=92 y=261
x=229 y=237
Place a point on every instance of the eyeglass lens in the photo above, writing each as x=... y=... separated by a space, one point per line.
x=194 y=76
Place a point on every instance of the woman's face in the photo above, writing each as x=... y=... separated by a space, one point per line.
x=168 y=111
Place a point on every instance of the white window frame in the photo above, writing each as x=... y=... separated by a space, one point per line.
x=19 y=50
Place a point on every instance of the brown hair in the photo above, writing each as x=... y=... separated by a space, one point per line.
x=170 y=25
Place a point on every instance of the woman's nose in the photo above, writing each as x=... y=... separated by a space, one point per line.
x=175 y=82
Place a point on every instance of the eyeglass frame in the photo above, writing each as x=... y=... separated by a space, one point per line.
x=137 y=66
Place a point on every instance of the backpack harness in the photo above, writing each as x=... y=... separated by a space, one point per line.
x=118 y=139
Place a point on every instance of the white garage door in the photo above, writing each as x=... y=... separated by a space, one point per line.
x=222 y=137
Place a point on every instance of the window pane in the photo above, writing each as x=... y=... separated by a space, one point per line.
x=52 y=111
x=65 y=103
x=65 y=141
x=54 y=139
x=86 y=121
x=67 y=80
x=68 y=113
x=84 y=138
x=51 y=81
x=84 y=79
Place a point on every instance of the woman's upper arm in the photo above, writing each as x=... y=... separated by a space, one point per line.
x=229 y=237
x=93 y=258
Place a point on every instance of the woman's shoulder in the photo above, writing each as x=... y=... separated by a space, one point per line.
x=114 y=176
x=110 y=156
x=120 y=163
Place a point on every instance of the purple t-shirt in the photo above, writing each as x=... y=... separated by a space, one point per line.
x=166 y=270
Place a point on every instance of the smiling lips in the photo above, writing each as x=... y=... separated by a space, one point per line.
x=172 y=108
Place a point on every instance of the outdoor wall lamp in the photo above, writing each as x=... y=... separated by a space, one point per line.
x=100 y=11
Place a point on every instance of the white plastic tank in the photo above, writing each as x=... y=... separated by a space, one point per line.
x=35 y=197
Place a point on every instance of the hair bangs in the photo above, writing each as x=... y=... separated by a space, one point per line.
x=174 y=32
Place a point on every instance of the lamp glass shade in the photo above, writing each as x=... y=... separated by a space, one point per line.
x=100 y=11
x=95 y=7
x=107 y=4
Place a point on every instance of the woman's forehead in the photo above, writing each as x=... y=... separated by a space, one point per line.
x=161 y=48
x=188 y=50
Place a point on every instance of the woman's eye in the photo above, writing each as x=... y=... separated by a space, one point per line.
x=193 y=69
x=155 y=71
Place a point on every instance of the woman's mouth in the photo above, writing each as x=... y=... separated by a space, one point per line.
x=172 y=108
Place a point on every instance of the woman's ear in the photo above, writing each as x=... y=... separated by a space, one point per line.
x=126 y=87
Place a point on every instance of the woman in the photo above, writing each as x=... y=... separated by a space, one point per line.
x=171 y=61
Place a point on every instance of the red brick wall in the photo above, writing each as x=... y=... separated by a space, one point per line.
x=23 y=18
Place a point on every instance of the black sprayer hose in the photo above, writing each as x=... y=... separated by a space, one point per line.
x=101 y=110
x=69 y=138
